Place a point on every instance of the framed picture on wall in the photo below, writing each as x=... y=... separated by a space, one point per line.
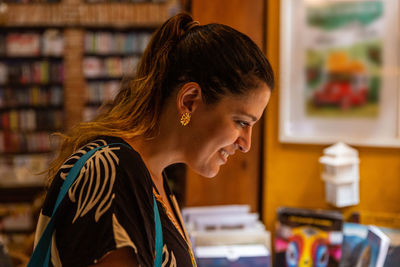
x=339 y=72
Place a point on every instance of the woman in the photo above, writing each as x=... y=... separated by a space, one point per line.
x=197 y=92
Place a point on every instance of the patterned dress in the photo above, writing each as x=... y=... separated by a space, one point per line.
x=109 y=206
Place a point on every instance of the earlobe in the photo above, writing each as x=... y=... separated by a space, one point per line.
x=189 y=97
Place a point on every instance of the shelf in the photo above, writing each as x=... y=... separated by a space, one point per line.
x=30 y=58
x=8 y=154
x=32 y=84
x=122 y=54
x=93 y=104
x=19 y=192
x=48 y=131
x=24 y=85
x=31 y=2
x=12 y=154
x=11 y=232
x=27 y=107
x=36 y=131
x=65 y=13
x=28 y=27
x=103 y=78
x=96 y=104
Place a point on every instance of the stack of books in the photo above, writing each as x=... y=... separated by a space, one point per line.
x=227 y=236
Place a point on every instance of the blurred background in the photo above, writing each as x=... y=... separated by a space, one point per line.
x=61 y=61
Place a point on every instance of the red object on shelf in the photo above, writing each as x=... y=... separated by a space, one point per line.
x=343 y=94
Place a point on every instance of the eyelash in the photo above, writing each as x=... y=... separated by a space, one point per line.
x=243 y=124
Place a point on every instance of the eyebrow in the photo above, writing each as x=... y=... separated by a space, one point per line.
x=242 y=113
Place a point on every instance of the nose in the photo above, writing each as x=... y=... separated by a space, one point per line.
x=243 y=142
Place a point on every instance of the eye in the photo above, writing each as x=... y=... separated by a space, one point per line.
x=321 y=256
x=292 y=254
x=243 y=124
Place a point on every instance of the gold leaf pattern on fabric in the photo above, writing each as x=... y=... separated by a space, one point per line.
x=121 y=237
x=94 y=184
x=168 y=258
x=79 y=153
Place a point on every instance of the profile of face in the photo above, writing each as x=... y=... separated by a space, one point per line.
x=218 y=130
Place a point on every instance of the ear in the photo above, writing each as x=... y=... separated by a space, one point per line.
x=189 y=97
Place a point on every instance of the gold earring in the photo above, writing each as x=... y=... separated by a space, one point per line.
x=185 y=119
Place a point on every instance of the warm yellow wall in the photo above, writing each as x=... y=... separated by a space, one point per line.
x=292 y=172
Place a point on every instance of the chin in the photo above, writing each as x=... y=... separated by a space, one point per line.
x=210 y=175
x=207 y=172
x=210 y=172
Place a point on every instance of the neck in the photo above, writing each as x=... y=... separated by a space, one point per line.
x=157 y=154
x=162 y=150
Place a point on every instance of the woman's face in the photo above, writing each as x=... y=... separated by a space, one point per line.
x=217 y=131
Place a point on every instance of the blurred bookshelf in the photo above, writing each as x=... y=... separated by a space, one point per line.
x=58 y=59
x=31 y=101
x=109 y=56
x=31 y=108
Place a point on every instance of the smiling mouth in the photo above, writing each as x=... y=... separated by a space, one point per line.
x=224 y=154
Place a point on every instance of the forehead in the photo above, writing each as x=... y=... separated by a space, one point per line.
x=260 y=92
x=253 y=102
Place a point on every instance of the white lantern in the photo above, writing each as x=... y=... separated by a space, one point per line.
x=341 y=175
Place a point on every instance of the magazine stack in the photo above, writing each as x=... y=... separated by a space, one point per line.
x=227 y=236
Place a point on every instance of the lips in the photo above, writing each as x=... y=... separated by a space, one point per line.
x=224 y=153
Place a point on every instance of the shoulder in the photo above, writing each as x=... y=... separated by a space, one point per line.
x=107 y=150
x=108 y=158
x=108 y=165
x=109 y=203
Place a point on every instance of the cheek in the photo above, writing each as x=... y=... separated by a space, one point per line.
x=210 y=156
x=219 y=136
x=210 y=132
x=207 y=141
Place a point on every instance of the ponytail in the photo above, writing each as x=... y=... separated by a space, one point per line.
x=220 y=59
x=145 y=95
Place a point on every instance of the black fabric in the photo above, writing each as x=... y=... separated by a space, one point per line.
x=113 y=189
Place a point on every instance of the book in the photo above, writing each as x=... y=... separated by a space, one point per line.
x=234 y=255
x=5 y=259
x=306 y=237
x=2 y=44
x=189 y=215
x=16 y=217
x=52 y=42
x=227 y=235
x=2 y=146
x=393 y=254
x=23 y=44
x=254 y=235
x=364 y=245
x=92 y=67
x=3 y=73
x=378 y=243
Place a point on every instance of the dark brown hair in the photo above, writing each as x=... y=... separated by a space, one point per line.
x=220 y=59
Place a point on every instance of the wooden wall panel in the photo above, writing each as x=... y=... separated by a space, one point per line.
x=246 y=16
x=292 y=176
x=238 y=182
